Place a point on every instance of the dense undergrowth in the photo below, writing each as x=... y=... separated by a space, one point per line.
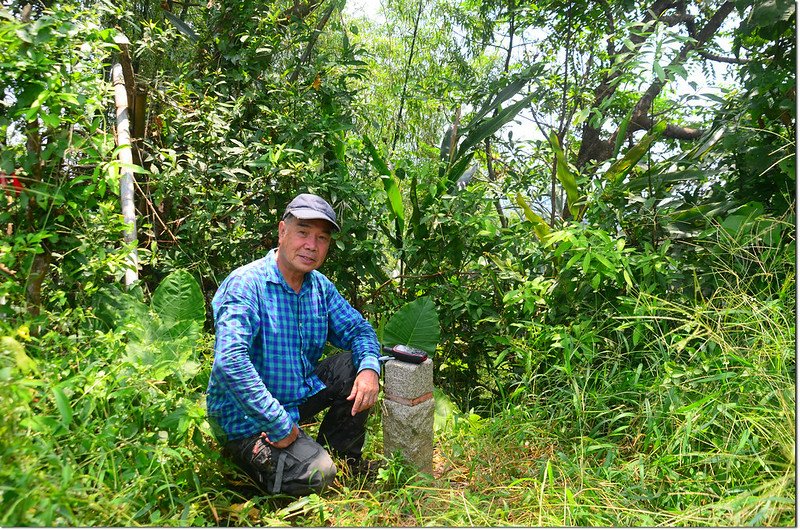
x=692 y=423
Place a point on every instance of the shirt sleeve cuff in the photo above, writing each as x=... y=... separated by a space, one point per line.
x=370 y=362
x=280 y=428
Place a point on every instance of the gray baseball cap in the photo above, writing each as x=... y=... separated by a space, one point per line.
x=310 y=206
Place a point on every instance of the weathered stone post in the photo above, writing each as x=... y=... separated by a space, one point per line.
x=408 y=408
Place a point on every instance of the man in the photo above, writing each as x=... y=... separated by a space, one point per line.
x=273 y=317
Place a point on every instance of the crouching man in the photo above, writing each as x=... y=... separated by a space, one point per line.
x=272 y=318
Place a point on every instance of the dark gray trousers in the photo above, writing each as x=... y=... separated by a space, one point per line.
x=339 y=431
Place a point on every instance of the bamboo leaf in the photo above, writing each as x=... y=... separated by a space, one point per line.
x=573 y=260
x=491 y=126
x=64 y=408
x=565 y=176
x=182 y=26
x=622 y=167
x=540 y=227
x=697 y=404
x=623 y=130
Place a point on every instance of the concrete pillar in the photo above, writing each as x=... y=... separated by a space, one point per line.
x=408 y=408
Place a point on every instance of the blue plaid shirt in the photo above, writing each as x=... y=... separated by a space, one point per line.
x=269 y=339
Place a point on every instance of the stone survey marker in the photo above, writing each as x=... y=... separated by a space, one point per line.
x=408 y=408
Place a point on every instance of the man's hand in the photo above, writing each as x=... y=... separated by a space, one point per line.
x=288 y=440
x=365 y=391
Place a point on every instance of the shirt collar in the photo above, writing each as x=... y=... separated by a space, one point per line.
x=274 y=274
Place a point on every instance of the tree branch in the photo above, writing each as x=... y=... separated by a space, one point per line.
x=299 y=11
x=646 y=101
x=405 y=80
x=611 y=31
x=593 y=148
x=676 y=132
x=312 y=41
x=721 y=59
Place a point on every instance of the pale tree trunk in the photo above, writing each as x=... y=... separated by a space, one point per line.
x=126 y=182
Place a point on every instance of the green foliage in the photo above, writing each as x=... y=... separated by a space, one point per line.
x=178 y=301
x=630 y=366
x=161 y=337
x=108 y=431
x=56 y=142
x=688 y=380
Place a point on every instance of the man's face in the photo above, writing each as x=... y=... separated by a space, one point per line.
x=302 y=245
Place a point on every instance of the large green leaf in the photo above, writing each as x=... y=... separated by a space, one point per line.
x=478 y=129
x=445 y=150
x=455 y=172
x=376 y=159
x=415 y=324
x=178 y=301
x=395 y=199
x=162 y=337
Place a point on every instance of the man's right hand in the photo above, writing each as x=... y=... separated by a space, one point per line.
x=288 y=440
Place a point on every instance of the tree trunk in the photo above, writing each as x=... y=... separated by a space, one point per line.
x=38 y=272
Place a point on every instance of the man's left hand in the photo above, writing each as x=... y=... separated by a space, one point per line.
x=365 y=391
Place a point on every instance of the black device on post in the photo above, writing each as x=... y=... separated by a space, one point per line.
x=404 y=353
